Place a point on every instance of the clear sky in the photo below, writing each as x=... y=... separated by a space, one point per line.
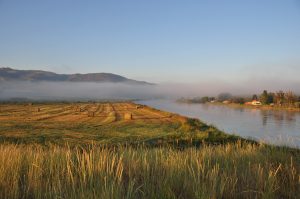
x=154 y=40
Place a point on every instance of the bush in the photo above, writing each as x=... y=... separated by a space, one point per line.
x=238 y=100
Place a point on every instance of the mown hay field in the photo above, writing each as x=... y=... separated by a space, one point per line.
x=100 y=123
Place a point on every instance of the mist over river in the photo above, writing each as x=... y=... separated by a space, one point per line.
x=272 y=126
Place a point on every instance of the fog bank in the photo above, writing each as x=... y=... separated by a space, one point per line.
x=81 y=91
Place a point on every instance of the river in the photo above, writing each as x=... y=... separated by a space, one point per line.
x=271 y=126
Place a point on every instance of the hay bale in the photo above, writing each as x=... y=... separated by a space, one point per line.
x=111 y=114
x=128 y=116
x=140 y=106
x=91 y=114
x=77 y=109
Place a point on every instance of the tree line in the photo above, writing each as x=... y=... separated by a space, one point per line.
x=279 y=98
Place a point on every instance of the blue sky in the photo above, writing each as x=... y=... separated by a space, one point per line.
x=157 y=40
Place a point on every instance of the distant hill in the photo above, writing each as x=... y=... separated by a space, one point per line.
x=9 y=74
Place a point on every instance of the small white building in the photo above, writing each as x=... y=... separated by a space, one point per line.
x=256 y=103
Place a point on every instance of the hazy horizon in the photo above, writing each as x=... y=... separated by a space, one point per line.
x=121 y=91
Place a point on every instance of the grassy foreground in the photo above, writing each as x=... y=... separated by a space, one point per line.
x=122 y=150
x=225 y=171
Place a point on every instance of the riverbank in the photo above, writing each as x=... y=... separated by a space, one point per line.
x=235 y=105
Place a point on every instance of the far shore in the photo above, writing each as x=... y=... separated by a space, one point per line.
x=235 y=105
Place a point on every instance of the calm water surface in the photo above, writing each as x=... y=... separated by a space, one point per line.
x=276 y=127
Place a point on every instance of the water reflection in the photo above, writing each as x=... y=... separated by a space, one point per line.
x=280 y=117
x=264 y=116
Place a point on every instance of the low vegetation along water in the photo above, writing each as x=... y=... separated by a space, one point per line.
x=272 y=126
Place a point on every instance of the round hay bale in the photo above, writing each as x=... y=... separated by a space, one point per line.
x=139 y=106
x=128 y=116
x=91 y=114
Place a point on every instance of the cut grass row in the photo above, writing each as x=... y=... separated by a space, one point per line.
x=147 y=126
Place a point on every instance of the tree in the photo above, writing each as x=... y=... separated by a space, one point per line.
x=270 y=98
x=238 y=100
x=290 y=97
x=204 y=100
x=279 y=97
x=264 y=97
x=254 y=97
x=224 y=96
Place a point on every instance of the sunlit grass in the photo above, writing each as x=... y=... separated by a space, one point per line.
x=226 y=171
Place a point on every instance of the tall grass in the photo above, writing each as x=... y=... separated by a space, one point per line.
x=226 y=171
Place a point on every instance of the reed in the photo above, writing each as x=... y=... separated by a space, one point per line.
x=225 y=171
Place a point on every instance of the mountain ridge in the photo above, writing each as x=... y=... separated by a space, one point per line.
x=10 y=74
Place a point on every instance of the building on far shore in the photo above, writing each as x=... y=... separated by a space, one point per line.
x=254 y=103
